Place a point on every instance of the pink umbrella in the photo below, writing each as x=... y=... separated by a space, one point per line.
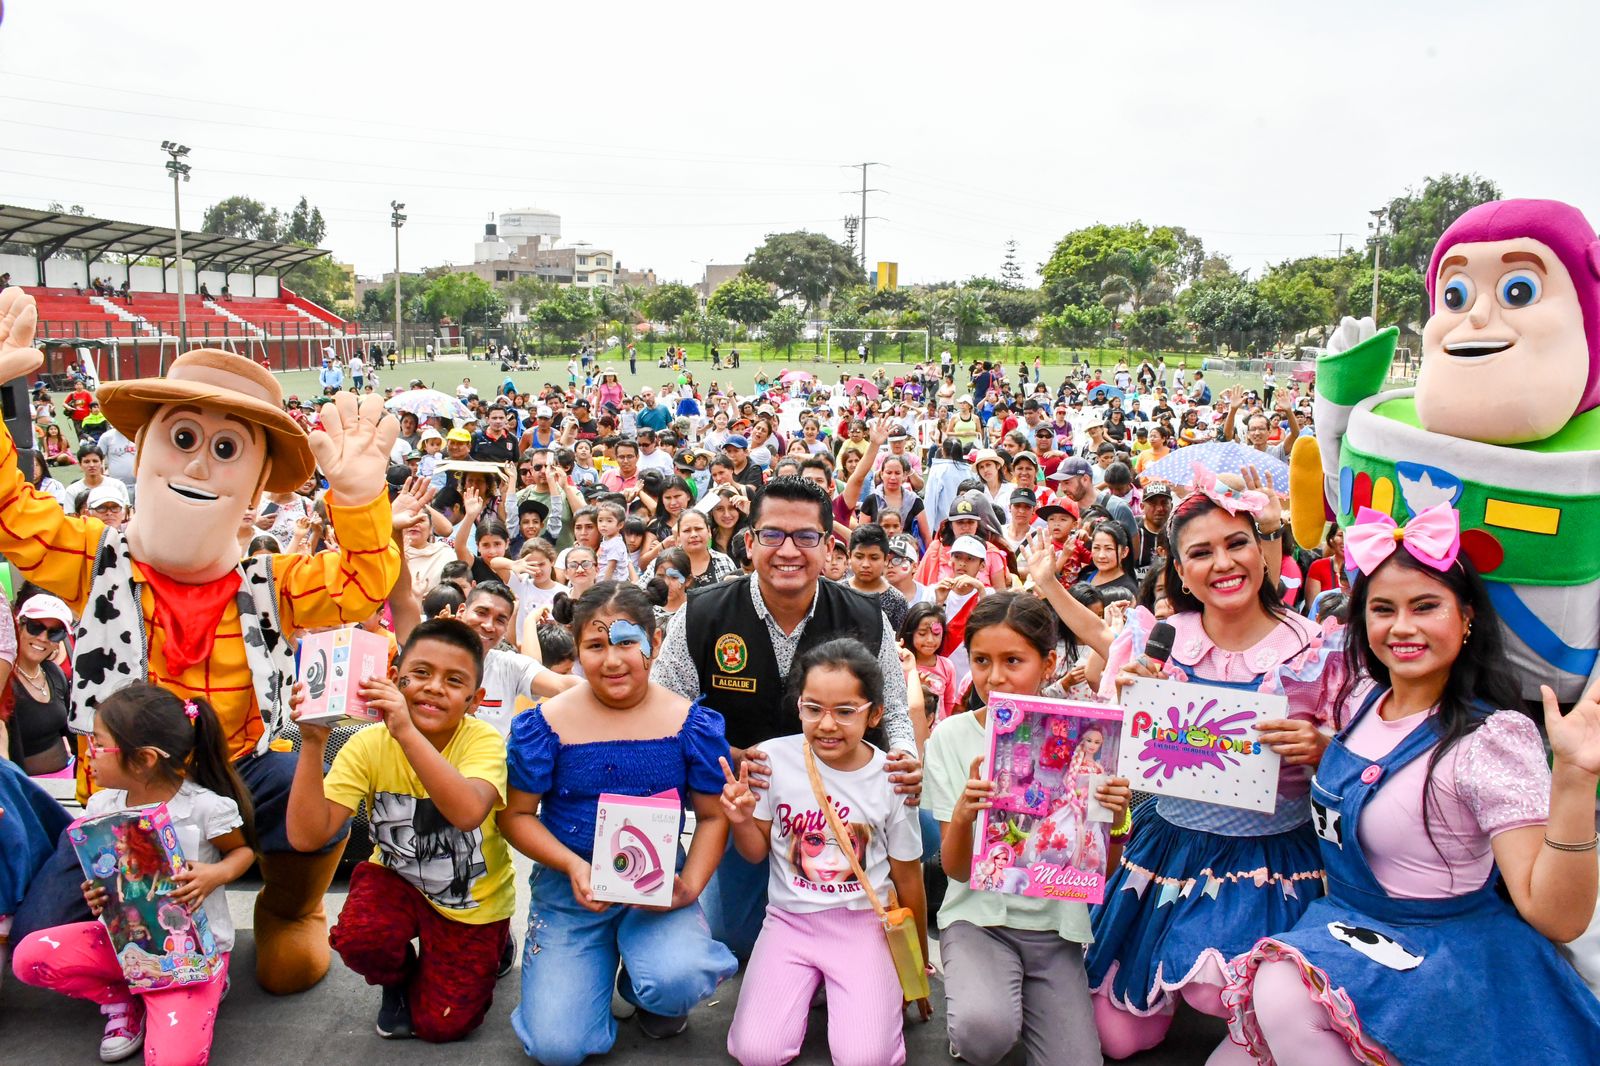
x=789 y=377
x=863 y=386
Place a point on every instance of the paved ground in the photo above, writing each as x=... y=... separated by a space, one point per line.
x=332 y=1024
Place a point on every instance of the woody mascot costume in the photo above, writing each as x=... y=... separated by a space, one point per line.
x=168 y=600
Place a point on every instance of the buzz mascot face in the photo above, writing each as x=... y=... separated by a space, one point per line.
x=1515 y=316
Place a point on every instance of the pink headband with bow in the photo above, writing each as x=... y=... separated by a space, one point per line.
x=1226 y=497
x=1433 y=537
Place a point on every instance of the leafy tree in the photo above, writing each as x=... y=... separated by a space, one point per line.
x=669 y=303
x=1415 y=220
x=1013 y=309
x=377 y=305
x=326 y=282
x=1115 y=290
x=1313 y=291
x=241 y=216
x=1075 y=325
x=568 y=314
x=58 y=208
x=1402 y=296
x=1233 y=306
x=1084 y=258
x=1010 y=271
x=968 y=315
x=1147 y=325
x=743 y=299
x=785 y=327
x=809 y=266
x=305 y=225
x=527 y=292
x=465 y=298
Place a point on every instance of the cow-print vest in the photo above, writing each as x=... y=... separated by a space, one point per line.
x=112 y=648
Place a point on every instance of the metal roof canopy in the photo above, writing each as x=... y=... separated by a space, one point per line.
x=50 y=232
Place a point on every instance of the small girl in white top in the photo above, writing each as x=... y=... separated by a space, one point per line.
x=149 y=747
x=820 y=924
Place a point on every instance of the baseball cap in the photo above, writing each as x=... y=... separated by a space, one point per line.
x=416 y=383
x=968 y=546
x=413 y=454
x=1059 y=506
x=1023 y=496
x=459 y=434
x=898 y=433
x=736 y=440
x=1158 y=488
x=1025 y=457
x=46 y=608
x=543 y=411
x=108 y=491
x=903 y=546
x=532 y=506
x=1071 y=467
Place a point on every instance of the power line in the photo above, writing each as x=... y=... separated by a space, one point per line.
x=864 y=216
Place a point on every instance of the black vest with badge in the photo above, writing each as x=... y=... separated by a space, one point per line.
x=738 y=668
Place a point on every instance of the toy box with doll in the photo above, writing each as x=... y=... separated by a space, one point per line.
x=1045 y=834
x=333 y=664
x=636 y=848
x=133 y=856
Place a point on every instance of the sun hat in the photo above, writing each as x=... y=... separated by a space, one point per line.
x=219 y=380
x=46 y=608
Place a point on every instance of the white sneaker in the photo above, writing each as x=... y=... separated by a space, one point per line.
x=124 y=1031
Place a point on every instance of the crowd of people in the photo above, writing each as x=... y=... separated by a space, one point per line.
x=756 y=600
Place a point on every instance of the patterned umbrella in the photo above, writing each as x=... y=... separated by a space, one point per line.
x=1220 y=457
x=429 y=403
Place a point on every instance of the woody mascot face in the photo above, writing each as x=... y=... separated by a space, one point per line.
x=212 y=435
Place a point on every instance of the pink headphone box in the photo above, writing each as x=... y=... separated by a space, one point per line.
x=636 y=848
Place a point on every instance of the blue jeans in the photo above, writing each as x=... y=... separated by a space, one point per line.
x=930 y=836
x=569 y=966
x=735 y=901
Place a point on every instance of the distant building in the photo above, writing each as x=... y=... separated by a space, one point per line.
x=645 y=279
x=717 y=275
x=523 y=244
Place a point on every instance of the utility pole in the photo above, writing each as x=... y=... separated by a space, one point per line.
x=1342 y=235
x=179 y=170
x=863 y=216
x=1377 y=246
x=396 y=219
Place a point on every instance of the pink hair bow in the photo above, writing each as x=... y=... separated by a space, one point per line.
x=1433 y=537
x=1225 y=496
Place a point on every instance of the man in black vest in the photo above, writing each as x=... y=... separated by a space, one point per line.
x=733 y=646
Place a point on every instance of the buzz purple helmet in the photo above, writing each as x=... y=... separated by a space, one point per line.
x=1565 y=231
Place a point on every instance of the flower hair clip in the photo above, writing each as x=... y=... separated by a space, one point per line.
x=191 y=710
x=1433 y=537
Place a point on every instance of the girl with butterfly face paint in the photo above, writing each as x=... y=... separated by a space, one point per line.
x=622 y=734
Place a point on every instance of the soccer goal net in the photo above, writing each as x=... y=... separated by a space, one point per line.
x=897 y=345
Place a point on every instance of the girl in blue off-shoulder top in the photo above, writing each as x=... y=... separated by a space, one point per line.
x=623 y=735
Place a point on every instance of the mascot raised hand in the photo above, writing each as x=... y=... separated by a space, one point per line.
x=170 y=601
x=1503 y=425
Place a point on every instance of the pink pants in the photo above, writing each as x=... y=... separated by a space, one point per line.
x=1123 y=1034
x=1297 y=1029
x=77 y=960
x=846 y=950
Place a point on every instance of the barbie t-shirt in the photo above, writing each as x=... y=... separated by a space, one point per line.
x=807 y=870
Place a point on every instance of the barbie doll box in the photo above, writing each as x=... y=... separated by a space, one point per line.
x=333 y=665
x=1045 y=834
x=636 y=848
x=133 y=856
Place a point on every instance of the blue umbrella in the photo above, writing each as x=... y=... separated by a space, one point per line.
x=1219 y=457
x=1102 y=393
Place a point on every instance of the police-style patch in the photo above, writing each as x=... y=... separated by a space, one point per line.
x=732 y=655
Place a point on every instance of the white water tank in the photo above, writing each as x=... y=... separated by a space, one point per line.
x=525 y=224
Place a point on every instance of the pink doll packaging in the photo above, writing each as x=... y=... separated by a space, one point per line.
x=1045 y=834
x=133 y=856
x=333 y=665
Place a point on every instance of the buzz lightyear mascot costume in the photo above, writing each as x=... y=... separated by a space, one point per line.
x=1504 y=425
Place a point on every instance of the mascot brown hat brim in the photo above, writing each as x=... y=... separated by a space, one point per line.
x=217 y=380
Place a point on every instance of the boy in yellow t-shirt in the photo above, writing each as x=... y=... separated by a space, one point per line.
x=432 y=777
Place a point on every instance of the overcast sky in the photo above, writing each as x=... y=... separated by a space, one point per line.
x=676 y=133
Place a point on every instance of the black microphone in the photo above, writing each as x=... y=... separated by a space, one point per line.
x=1158 y=646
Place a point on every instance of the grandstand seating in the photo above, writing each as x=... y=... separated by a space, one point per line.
x=65 y=314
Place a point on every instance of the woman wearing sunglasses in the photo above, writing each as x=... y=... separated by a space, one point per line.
x=35 y=702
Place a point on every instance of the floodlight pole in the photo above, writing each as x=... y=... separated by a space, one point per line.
x=396 y=219
x=1377 y=245
x=179 y=171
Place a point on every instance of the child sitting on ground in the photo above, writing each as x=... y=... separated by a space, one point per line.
x=149 y=747
x=440 y=873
